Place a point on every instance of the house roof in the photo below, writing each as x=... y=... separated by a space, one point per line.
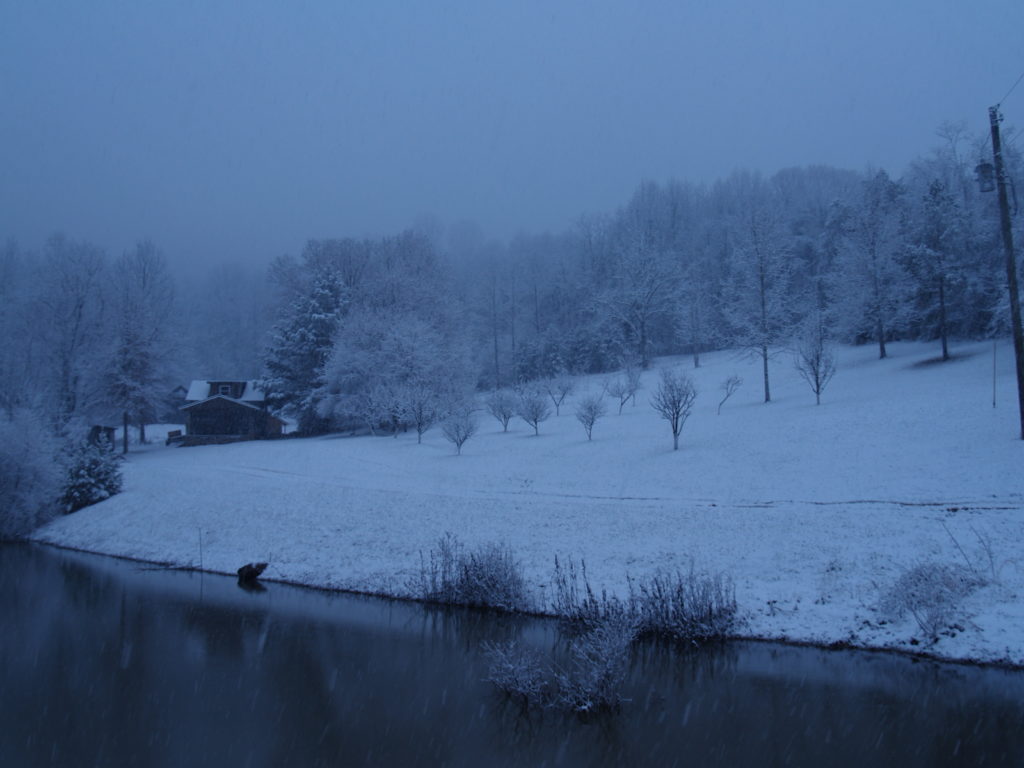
x=199 y=390
x=220 y=397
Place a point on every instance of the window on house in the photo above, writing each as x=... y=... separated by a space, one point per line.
x=225 y=389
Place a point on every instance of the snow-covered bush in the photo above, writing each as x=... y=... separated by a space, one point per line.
x=689 y=606
x=486 y=577
x=30 y=473
x=518 y=673
x=94 y=474
x=591 y=681
x=574 y=600
x=598 y=666
x=931 y=593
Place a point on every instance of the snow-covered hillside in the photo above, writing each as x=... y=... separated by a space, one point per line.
x=815 y=511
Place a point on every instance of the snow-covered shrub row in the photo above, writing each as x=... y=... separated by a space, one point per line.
x=30 y=473
x=691 y=606
x=687 y=606
x=486 y=577
x=931 y=593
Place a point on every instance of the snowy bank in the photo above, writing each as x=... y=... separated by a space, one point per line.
x=815 y=511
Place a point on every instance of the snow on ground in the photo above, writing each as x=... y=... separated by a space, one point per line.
x=815 y=511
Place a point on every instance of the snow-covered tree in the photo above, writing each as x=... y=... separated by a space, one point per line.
x=533 y=408
x=759 y=303
x=588 y=411
x=642 y=291
x=868 y=283
x=459 y=427
x=69 y=308
x=302 y=341
x=389 y=369
x=93 y=475
x=501 y=404
x=933 y=259
x=30 y=472
x=140 y=361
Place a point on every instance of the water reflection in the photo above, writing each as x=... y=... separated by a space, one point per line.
x=104 y=662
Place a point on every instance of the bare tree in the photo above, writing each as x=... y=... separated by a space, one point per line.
x=588 y=411
x=558 y=388
x=729 y=386
x=814 y=359
x=421 y=405
x=632 y=371
x=533 y=408
x=619 y=388
x=501 y=404
x=673 y=401
x=459 y=427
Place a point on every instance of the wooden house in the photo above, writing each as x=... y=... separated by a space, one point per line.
x=226 y=410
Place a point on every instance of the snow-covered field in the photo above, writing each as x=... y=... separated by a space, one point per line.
x=815 y=511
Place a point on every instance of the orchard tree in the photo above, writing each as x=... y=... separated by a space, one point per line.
x=533 y=408
x=459 y=427
x=673 y=400
x=588 y=411
x=558 y=388
x=815 y=361
x=501 y=404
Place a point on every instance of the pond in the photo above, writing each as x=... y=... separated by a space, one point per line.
x=108 y=662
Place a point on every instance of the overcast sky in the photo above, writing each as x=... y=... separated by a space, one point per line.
x=235 y=130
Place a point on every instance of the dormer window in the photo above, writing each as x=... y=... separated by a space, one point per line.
x=224 y=389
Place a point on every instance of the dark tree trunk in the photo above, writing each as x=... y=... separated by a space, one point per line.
x=942 y=318
x=764 y=360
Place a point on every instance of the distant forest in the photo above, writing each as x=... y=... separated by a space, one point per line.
x=355 y=333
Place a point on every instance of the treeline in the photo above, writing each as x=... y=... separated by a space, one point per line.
x=749 y=262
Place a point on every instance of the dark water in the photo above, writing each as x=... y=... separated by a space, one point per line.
x=103 y=662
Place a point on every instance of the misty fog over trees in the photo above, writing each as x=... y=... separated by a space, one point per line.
x=398 y=332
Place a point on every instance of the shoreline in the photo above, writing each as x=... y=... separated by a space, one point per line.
x=837 y=645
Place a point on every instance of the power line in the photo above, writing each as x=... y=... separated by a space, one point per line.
x=1011 y=89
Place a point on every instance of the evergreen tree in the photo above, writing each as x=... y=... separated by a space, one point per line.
x=94 y=474
x=302 y=342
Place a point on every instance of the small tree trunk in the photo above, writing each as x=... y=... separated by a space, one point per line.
x=124 y=431
x=880 y=332
x=675 y=442
x=764 y=359
x=942 y=318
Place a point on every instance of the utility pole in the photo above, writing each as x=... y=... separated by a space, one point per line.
x=1011 y=260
